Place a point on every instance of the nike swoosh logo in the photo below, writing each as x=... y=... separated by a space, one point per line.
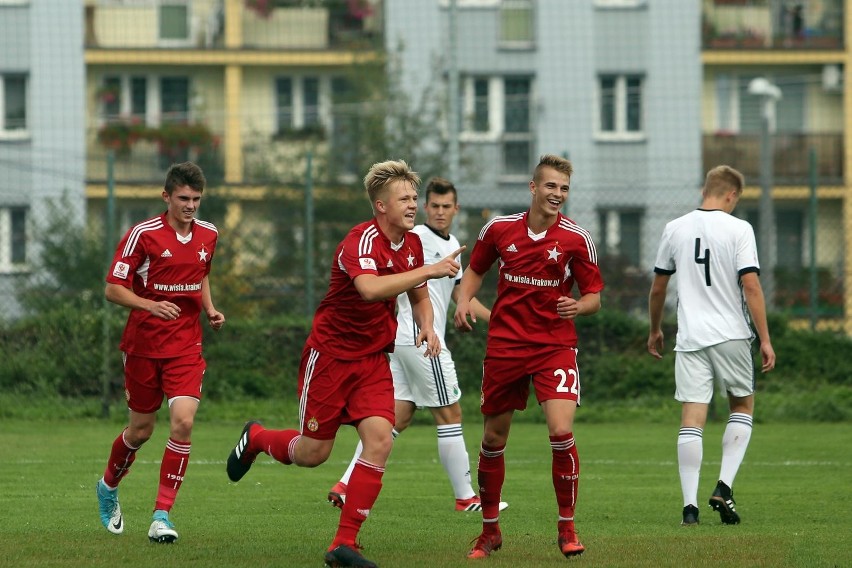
x=117 y=525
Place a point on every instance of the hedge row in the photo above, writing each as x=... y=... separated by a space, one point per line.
x=64 y=352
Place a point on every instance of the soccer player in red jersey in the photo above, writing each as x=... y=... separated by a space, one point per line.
x=160 y=272
x=531 y=337
x=344 y=375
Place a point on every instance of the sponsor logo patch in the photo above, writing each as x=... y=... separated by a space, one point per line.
x=121 y=270
x=367 y=263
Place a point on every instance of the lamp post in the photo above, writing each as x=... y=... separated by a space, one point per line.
x=769 y=95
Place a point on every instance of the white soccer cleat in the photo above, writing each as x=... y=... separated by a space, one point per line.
x=162 y=530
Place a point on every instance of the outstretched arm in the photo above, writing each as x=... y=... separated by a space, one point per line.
x=374 y=288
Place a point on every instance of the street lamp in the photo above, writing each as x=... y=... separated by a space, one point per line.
x=769 y=94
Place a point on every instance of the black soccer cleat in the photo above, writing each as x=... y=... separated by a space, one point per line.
x=690 y=516
x=343 y=556
x=240 y=458
x=723 y=502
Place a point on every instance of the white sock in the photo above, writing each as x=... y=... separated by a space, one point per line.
x=454 y=458
x=690 y=452
x=734 y=443
x=358 y=449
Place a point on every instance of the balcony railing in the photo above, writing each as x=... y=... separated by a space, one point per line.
x=201 y=24
x=772 y=24
x=790 y=158
x=142 y=154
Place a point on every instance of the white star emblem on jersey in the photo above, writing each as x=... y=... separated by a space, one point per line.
x=410 y=259
x=202 y=255
x=553 y=254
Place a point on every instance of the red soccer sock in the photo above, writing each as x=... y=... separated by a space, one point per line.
x=172 y=470
x=120 y=458
x=361 y=494
x=566 y=473
x=276 y=443
x=491 y=473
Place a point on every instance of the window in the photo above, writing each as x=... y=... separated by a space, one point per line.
x=789 y=236
x=13 y=238
x=311 y=101
x=138 y=97
x=516 y=24
x=620 y=234
x=13 y=105
x=517 y=137
x=284 y=103
x=301 y=103
x=174 y=23
x=620 y=3
x=174 y=99
x=620 y=107
x=345 y=127
x=499 y=110
x=111 y=97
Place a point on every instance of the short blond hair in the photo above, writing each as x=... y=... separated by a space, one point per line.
x=558 y=163
x=381 y=174
x=722 y=179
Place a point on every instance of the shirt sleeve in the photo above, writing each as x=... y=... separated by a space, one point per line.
x=126 y=261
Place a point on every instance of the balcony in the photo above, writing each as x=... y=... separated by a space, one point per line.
x=772 y=24
x=790 y=156
x=265 y=24
x=143 y=153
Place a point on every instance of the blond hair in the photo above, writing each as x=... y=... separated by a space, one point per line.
x=722 y=179
x=558 y=163
x=381 y=174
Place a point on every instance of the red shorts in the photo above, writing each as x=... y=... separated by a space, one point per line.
x=506 y=379
x=334 y=392
x=146 y=380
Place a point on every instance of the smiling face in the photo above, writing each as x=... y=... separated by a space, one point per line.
x=549 y=192
x=397 y=208
x=182 y=204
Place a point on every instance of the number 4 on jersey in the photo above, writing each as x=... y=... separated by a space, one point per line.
x=705 y=260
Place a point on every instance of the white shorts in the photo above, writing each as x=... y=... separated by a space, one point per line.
x=729 y=363
x=428 y=382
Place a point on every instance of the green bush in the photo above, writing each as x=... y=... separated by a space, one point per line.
x=60 y=355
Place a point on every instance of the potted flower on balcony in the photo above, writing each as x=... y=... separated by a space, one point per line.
x=120 y=136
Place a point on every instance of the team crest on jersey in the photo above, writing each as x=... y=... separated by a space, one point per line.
x=203 y=254
x=127 y=395
x=554 y=253
x=313 y=424
x=120 y=270
x=410 y=258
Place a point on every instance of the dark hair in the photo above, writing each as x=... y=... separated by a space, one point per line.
x=441 y=186
x=186 y=173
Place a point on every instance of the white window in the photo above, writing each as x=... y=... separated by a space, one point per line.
x=517 y=21
x=13 y=106
x=621 y=232
x=620 y=3
x=144 y=98
x=13 y=239
x=302 y=103
x=619 y=110
x=499 y=110
x=175 y=23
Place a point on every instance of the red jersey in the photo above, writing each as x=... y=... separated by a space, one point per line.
x=157 y=264
x=534 y=271
x=345 y=325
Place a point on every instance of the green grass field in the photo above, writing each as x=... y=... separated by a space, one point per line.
x=794 y=494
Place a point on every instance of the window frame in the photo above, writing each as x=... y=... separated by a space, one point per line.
x=620 y=132
x=8 y=265
x=14 y=133
x=516 y=44
x=175 y=42
x=323 y=115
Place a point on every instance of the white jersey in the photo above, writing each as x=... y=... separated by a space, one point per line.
x=435 y=249
x=710 y=250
